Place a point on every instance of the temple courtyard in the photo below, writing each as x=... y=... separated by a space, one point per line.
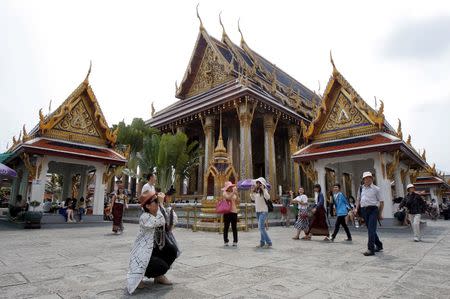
x=78 y=261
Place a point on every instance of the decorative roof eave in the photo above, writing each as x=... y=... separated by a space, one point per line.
x=376 y=117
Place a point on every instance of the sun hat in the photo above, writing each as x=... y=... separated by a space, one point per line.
x=227 y=185
x=410 y=186
x=261 y=180
x=147 y=197
x=367 y=174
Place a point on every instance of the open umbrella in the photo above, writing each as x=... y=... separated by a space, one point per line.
x=6 y=172
x=247 y=184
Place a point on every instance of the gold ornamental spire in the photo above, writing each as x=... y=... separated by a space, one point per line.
x=224 y=33
x=200 y=19
x=86 y=80
x=335 y=71
x=242 y=36
x=220 y=150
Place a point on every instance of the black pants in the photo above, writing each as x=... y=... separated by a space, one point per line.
x=160 y=261
x=227 y=219
x=341 y=221
x=370 y=215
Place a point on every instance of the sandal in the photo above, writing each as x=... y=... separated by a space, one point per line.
x=296 y=238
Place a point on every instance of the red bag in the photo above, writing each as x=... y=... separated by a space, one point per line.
x=223 y=206
x=283 y=210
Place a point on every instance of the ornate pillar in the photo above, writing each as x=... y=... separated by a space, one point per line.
x=294 y=137
x=201 y=171
x=38 y=185
x=99 y=192
x=399 y=190
x=67 y=183
x=245 y=114
x=269 y=153
x=208 y=129
x=385 y=186
x=82 y=190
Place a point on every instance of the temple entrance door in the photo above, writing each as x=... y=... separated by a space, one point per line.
x=330 y=180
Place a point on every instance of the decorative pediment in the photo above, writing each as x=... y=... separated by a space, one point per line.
x=78 y=119
x=343 y=113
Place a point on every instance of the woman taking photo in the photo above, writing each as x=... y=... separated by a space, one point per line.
x=150 y=257
x=119 y=202
x=230 y=194
x=259 y=195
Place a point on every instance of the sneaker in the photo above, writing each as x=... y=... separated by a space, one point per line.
x=329 y=239
x=378 y=249
x=234 y=244
x=369 y=253
x=163 y=280
x=348 y=239
x=416 y=239
x=260 y=246
x=225 y=244
x=267 y=246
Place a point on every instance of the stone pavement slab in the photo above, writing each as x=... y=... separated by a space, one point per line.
x=90 y=262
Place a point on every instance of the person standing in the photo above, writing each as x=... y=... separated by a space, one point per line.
x=416 y=206
x=285 y=202
x=259 y=195
x=342 y=208
x=151 y=182
x=318 y=225
x=147 y=258
x=230 y=194
x=369 y=198
x=119 y=202
x=81 y=206
x=302 y=223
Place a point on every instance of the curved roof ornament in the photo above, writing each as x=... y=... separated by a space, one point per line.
x=335 y=71
x=239 y=29
x=198 y=16
x=221 y=24
x=86 y=80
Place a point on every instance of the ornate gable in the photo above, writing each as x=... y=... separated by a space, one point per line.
x=78 y=119
x=343 y=113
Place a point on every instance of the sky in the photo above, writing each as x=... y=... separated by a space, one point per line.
x=398 y=51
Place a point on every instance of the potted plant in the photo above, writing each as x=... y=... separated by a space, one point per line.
x=33 y=217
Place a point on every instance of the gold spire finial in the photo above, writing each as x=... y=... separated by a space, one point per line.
x=198 y=16
x=221 y=24
x=176 y=87
x=86 y=80
x=332 y=63
x=399 y=129
x=220 y=149
x=424 y=155
x=408 y=141
x=153 y=110
x=381 y=110
x=239 y=29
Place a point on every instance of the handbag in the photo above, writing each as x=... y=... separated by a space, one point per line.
x=283 y=210
x=223 y=206
x=269 y=205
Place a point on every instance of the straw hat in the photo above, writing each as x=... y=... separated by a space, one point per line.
x=147 y=197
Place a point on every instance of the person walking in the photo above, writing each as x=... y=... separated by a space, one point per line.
x=230 y=194
x=148 y=258
x=369 y=198
x=119 y=202
x=151 y=182
x=302 y=223
x=416 y=206
x=260 y=195
x=342 y=208
x=318 y=225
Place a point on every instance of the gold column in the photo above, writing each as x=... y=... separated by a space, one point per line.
x=269 y=152
x=208 y=129
x=294 y=137
x=245 y=114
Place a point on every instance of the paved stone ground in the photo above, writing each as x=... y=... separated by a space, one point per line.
x=90 y=262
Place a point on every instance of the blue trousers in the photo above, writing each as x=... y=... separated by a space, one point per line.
x=370 y=215
x=265 y=239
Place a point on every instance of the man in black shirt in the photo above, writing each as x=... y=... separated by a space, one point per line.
x=416 y=206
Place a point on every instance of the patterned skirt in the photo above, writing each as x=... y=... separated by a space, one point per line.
x=302 y=222
x=117 y=217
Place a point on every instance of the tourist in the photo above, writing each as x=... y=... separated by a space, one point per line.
x=260 y=195
x=302 y=223
x=369 y=198
x=149 y=257
x=342 y=208
x=18 y=206
x=231 y=195
x=81 y=206
x=119 y=202
x=69 y=210
x=318 y=225
x=351 y=218
x=151 y=182
x=47 y=206
x=285 y=205
x=445 y=209
x=416 y=206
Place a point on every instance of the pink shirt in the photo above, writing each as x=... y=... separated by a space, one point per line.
x=230 y=196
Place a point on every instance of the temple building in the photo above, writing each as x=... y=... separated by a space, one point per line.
x=348 y=137
x=74 y=141
x=262 y=108
x=431 y=184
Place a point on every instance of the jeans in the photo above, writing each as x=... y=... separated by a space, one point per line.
x=230 y=218
x=341 y=221
x=81 y=213
x=370 y=215
x=415 y=224
x=265 y=239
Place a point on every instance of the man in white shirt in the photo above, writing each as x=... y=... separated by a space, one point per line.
x=369 y=198
x=150 y=185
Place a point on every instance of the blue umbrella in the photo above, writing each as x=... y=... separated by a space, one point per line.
x=6 y=172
